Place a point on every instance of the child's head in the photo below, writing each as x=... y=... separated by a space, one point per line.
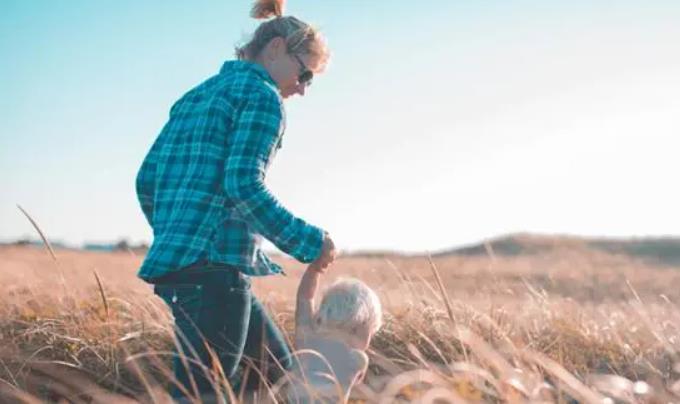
x=349 y=305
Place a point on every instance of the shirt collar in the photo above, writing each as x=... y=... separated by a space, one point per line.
x=256 y=68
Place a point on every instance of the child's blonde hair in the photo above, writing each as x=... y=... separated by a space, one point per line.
x=349 y=304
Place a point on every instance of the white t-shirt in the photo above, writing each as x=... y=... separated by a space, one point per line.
x=325 y=367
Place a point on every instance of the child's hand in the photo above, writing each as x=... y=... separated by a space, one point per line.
x=313 y=267
x=327 y=255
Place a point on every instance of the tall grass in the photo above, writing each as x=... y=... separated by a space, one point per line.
x=571 y=325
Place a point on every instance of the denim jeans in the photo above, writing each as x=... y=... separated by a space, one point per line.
x=214 y=307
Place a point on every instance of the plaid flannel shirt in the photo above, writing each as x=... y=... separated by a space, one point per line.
x=201 y=186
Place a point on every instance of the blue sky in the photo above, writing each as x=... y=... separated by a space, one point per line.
x=438 y=123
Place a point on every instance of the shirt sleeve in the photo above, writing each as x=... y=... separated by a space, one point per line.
x=144 y=186
x=251 y=145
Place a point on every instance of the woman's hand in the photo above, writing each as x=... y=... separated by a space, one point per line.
x=327 y=256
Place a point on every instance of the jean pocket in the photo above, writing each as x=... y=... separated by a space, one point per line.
x=242 y=285
x=184 y=300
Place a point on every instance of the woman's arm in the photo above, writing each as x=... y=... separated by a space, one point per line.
x=254 y=137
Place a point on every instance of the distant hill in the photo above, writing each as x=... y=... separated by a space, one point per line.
x=663 y=250
x=121 y=245
x=653 y=250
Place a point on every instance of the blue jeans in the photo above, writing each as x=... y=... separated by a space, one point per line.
x=214 y=307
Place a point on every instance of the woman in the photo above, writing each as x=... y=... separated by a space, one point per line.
x=201 y=187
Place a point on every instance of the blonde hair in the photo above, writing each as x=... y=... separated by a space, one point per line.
x=300 y=37
x=349 y=304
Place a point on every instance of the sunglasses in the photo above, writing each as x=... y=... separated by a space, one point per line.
x=305 y=77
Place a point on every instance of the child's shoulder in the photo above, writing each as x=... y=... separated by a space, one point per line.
x=360 y=358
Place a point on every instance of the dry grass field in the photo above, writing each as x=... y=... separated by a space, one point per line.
x=563 y=322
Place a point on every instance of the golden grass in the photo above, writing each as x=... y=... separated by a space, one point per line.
x=568 y=323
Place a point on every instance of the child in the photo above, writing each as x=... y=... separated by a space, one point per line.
x=331 y=341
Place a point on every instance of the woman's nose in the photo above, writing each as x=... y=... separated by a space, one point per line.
x=301 y=89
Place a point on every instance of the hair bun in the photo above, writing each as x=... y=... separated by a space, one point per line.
x=263 y=9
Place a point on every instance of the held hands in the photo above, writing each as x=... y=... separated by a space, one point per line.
x=327 y=256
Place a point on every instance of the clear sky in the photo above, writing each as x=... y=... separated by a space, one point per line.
x=438 y=123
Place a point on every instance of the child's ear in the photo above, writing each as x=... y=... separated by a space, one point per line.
x=360 y=330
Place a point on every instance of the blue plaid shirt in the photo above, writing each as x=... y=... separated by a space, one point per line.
x=201 y=186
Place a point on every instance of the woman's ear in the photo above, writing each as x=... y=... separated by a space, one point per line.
x=278 y=46
x=272 y=50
